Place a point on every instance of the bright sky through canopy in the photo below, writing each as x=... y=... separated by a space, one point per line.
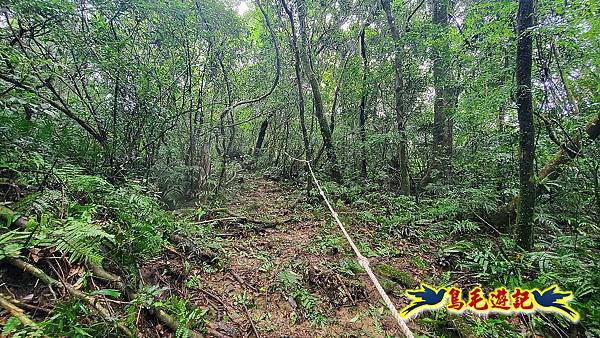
x=242 y=8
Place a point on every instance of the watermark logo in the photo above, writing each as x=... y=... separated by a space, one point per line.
x=501 y=300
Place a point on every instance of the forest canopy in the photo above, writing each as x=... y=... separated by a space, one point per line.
x=156 y=159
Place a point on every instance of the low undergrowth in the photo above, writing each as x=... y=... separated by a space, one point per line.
x=447 y=227
x=75 y=227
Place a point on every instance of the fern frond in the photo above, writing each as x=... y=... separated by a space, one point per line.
x=10 y=243
x=43 y=201
x=75 y=180
x=81 y=239
x=464 y=227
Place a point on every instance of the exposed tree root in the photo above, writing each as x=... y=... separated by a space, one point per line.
x=16 y=311
x=8 y=215
x=249 y=316
x=51 y=282
x=192 y=249
x=99 y=272
x=161 y=315
x=172 y=323
x=245 y=219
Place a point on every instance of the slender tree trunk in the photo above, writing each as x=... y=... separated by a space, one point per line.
x=204 y=156
x=400 y=114
x=115 y=107
x=597 y=188
x=442 y=124
x=500 y=130
x=298 y=73
x=363 y=103
x=526 y=204
x=316 y=92
x=226 y=145
x=336 y=93
x=261 y=136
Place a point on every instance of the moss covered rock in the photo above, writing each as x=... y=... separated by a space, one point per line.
x=396 y=275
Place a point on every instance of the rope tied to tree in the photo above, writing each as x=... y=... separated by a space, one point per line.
x=362 y=260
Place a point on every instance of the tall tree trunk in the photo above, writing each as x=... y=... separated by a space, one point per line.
x=526 y=204
x=298 y=73
x=500 y=129
x=316 y=92
x=261 y=136
x=400 y=115
x=597 y=188
x=363 y=103
x=301 y=113
x=225 y=144
x=442 y=124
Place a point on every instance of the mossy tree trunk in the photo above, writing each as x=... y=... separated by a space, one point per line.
x=526 y=204
x=401 y=117
x=443 y=104
x=316 y=93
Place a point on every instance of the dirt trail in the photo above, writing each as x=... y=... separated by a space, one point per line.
x=306 y=249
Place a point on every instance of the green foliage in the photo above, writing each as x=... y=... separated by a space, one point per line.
x=144 y=222
x=307 y=303
x=47 y=201
x=66 y=321
x=76 y=181
x=288 y=279
x=189 y=318
x=147 y=295
x=349 y=266
x=14 y=328
x=326 y=243
x=266 y=262
x=566 y=260
x=80 y=239
x=402 y=277
x=11 y=242
x=110 y=112
x=464 y=227
x=292 y=283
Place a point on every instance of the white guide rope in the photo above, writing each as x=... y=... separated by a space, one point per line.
x=362 y=260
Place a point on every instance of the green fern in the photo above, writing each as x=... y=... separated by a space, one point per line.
x=40 y=202
x=288 y=279
x=11 y=243
x=76 y=180
x=80 y=239
x=464 y=227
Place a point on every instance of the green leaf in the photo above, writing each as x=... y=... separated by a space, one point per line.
x=107 y=292
x=11 y=324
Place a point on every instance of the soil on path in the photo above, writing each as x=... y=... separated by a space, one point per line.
x=287 y=267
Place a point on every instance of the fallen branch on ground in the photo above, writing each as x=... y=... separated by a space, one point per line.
x=27 y=306
x=8 y=215
x=242 y=281
x=254 y=330
x=173 y=324
x=232 y=217
x=243 y=284
x=16 y=312
x=51 y=282
x=161 y=315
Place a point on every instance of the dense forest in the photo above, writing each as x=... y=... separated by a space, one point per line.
x=189 y=168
